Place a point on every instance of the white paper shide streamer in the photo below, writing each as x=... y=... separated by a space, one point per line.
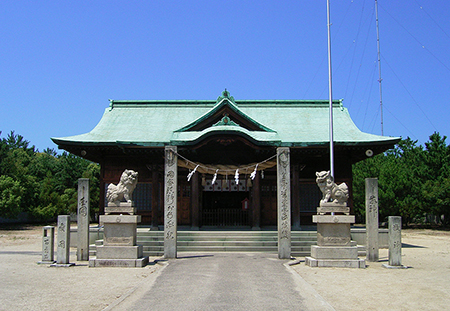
x=253 y=174
x=192 y=173
x=236 y=177
x=214 y=178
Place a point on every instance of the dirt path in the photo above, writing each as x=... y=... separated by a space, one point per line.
x=25 y=285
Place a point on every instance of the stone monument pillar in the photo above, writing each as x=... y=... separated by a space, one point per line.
x=48 y=245
x=170 y=202
x=284 y=203
x=83 y=220
x=334 y=248
x=372 y=249
x=63 y=242
x=395 y=243
x=119 y=247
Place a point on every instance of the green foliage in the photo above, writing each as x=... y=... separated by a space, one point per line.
x=93 y=173
x=413 y=181
x=44 y=184
x=11 y=193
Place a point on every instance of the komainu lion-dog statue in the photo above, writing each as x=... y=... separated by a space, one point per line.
x=330 y=190
x=124 y=189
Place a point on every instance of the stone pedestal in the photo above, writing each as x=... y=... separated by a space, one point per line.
x=334 y=247
x=119 y=247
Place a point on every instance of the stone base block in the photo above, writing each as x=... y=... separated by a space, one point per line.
x=119 y=252
x=332 y=204
x=62 y=265
x=120 y=219
x=127 y=263
x=120 y=210
x=336 y=263
x=333 y=234
x=333 y=209
x=394 y=267
x=334 y=219
x=46 y=262
x=334 y=252
x=120 y=204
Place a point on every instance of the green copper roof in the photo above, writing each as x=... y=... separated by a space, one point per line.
x=264 y=122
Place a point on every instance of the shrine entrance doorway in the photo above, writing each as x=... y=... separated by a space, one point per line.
x=225 y=204
x=225 y=209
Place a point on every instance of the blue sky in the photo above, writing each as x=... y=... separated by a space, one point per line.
x=60 y=61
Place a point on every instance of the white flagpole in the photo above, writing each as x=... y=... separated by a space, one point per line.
x=330 y=93
x=379 y=67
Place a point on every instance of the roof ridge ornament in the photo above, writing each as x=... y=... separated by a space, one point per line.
x=226 y=121
x=226 y=94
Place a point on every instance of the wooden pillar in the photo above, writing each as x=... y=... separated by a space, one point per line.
x=295 y=198
x=284 y=202
x=195 y=202
x=170 y=201
x=256 y=206
x=155 y=197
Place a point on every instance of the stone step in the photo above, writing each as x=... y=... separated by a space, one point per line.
x=230 y=242
x=207 y=235
x=222 y=241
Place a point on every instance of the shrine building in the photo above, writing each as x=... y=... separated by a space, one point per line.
x=228 y=155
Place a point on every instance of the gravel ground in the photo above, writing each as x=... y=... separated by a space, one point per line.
x=425 y=285
x=29 y=286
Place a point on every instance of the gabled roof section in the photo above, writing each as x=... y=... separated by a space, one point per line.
x=158 y=123
x=225 y=113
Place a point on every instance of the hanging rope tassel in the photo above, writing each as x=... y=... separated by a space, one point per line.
x=192 y=173
x=236 y=177
x=253 y=174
